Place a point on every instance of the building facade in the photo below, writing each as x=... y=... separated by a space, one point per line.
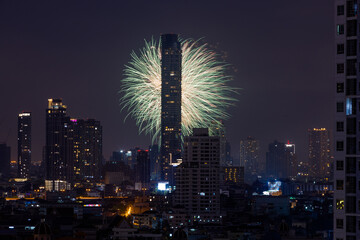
x=24 y=145
x=142 y=168
x=171 y=56
x=198 y=178
x=86 y=141
x=281 y=160
x=319 y=153
x=250 y=157
x=58 y=150
x=347 y=134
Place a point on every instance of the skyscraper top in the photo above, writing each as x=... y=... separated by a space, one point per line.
x=170 y=41
x=24 y=114
x=55 y=103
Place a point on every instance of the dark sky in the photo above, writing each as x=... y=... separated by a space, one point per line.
x=76 y=50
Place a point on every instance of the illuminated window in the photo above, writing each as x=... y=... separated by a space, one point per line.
x=340 y=29
x=351 y=8
x=340 y=204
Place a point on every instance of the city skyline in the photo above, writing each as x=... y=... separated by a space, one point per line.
x=274 y=103
x=179 y=120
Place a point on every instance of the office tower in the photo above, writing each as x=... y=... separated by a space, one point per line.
x=280 y=160
x=170 y=103
x=228 y=158
x=291 y=160
x=58 y=152
x=142 y=168
x=198 y=177
x=249 y=157
x=319 y=153
x=347 y=135
x=5 y=155
x=116 y=171
x=24 y=145
x=86 y=140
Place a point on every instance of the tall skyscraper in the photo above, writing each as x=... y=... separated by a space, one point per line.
x=170 y=102
x=58 y=150
x=347 y=134
x=291 y=160
x=250 y=158
x=319 y=153
x=5 y=157
x=198 y=178
x=24 y=144
x=86 y=141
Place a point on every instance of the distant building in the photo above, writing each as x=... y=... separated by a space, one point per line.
x=142 y=168
x=116 y=172
x=24 y=144
x=291 y=160
x=5 y=157
x=86 y=138
x=155 y=167
x=280 y=160
x=170 y=103
x=198 y=177
x=58 y=154
x=250 y=157
x=319 y=153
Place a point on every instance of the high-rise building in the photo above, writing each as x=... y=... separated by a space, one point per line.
x=58 y=149
x=24 y=144
x=86 y=139
x=198 y=178
x=347 y=134
x=154 y=162
x=249 y=157
x=5 y=155
x=291 y=160
x=319 y=153
x=280 y=160
x=170 y=102
x=142 y=168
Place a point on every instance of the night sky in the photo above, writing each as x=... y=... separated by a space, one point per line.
x=76 y=50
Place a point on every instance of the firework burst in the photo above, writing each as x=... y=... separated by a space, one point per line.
x=205 y=95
